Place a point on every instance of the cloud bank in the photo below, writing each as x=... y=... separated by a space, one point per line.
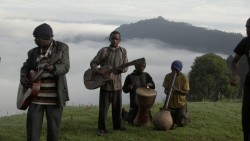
x=18 y=40
x=85 y=26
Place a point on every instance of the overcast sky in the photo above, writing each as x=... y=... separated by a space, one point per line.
x=90 y=21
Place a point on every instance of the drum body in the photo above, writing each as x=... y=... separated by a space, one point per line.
x=145 y=99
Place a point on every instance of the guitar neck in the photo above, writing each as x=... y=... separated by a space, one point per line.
x=55 y=59
x=134 y=62
x=37 y=75
x=41 y=71
x=124 y=65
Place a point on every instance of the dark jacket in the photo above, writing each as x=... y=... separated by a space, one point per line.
x=137 y=80
x=60 y=68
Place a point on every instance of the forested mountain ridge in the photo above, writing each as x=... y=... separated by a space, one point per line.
x=182 y=35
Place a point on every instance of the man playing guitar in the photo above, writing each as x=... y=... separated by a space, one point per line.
x=110 y=92
x=52 y=91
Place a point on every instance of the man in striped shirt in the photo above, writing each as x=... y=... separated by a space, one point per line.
x=53 y=92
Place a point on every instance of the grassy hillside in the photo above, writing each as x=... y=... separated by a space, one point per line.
x=211 y=121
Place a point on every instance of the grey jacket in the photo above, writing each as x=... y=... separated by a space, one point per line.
x=60 y=68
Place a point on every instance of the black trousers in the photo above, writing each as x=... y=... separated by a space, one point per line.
x=35 y=120
x=132 y=115
x=245 y=109
x=105 y=99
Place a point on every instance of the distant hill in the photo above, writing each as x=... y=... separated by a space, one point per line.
x=182 y=35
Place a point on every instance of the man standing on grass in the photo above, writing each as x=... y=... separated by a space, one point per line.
x=53 y=92
x=111 y=92
x=243 y=48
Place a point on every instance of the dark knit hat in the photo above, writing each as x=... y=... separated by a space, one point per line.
x=43 y=31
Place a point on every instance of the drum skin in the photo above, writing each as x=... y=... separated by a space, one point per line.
x=162 y=120
x=145 y=99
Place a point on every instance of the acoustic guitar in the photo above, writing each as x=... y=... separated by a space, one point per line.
x=25 y=94
x=93 y=81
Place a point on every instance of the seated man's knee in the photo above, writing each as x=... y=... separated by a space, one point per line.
x=185 y=120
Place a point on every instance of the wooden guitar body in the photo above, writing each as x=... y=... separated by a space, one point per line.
x=23 y=97
x=36 y=83
x=25 y=94
x=92 y=81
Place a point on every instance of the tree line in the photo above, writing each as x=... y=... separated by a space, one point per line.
x=209 y=78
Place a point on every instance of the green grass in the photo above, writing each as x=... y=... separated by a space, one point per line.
x=210 y=121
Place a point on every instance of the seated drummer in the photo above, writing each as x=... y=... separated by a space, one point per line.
x=138 y=78
x=178 y=101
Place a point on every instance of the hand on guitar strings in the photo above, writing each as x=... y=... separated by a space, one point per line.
x=49 y=68
x=46 y=66
x=104 y=72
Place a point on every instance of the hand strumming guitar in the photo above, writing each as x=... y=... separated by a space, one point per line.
x=104 y=72
x=46 y=67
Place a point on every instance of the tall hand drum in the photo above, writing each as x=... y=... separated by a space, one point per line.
x=145 y=98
